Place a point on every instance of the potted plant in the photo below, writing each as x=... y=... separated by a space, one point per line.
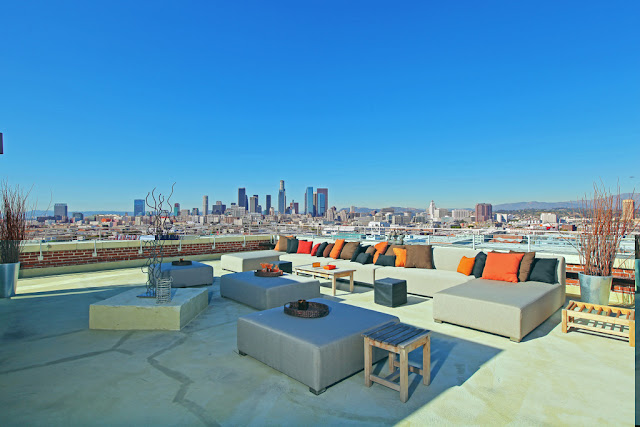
x=603 y=227
x=13 y=228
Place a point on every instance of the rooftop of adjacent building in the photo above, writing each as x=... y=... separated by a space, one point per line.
x=56 y=371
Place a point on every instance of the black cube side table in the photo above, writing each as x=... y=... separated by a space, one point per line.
x=285 y=266
x=390 y=292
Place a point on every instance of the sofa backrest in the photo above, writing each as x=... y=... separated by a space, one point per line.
x=448 y=258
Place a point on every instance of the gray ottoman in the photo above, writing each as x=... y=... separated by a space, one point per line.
x=316 y=352
x=390 y=292
x=196 y=274
x=285 y=266
x=246 y=261
x=263 y=293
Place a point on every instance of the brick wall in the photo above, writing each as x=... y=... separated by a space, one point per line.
x=623 y=279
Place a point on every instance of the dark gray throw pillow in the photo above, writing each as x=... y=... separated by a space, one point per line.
x=478 y=266
x=364 y=258
x=292 y=246
x=321 y=249
x=544 y=270
x=386 y=260
x=359 y=250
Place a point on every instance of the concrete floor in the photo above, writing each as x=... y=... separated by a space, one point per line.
x=55 y=371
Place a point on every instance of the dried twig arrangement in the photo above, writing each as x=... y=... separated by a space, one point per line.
x=603 y=227
x=13 y=222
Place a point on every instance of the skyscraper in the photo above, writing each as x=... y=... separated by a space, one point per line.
x=324 y=191
x=242 y=197
x=60 y=211
x=484 y=212
x=205 y=205
x=293 y=206
x=322 y=204
x=138 y=207
x=176 y=209
x=253 y=204
x=308 y=202
x=268 y=203
x=432 y=209
x=282 y=198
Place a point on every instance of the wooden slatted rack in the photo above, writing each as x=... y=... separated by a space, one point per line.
x=615 y=321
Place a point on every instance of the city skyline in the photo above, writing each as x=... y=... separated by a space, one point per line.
x=460 y=103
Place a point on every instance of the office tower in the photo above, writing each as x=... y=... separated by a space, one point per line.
x=484 y=212
x=268 y=203
x=77 y=216
x=461 y=214
x=60 y=211
x=205 y=205
x=324 y=191
x=548 y=218
x=242 y=197
x=253 y=204
x=315 y=203
x=218 y=208
x=432 y=209
x=293 y=206
x=176 y=209
x=628 y=209
x=322 y=205
x=353 y=209
x=282 y=198
x=308 y=202
x=138 y=207
x=195 y=211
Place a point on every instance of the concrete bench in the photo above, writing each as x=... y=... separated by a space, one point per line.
x=246 y=261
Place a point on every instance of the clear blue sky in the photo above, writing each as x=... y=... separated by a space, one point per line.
x=383 y=103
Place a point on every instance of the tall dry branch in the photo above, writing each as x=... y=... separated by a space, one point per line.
x=13 y=222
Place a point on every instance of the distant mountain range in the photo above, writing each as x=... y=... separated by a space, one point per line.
x=550 y=205
x=38 y=213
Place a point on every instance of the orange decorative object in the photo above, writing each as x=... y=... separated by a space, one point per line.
x=329 y=267
x=315 y=264
x=266 y=266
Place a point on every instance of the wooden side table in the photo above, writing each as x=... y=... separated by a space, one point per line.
x=401 y=339
x=601 y=318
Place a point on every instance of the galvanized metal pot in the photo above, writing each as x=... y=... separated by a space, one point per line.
x=595 y=289
x=9 y=279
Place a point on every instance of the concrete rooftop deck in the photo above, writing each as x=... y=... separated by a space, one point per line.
x=55 y=371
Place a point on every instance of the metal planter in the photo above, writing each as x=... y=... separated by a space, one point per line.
x=9 y=279
x=595 y=289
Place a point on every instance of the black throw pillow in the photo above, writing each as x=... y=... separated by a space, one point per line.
x=478 y=266
x=544 y=270
x=292 y=246
x=364 y=258
x=321 y=249
x=360 y=249
x=386 y=260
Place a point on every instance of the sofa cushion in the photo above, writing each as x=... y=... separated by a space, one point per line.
x=292 y=246
x=314 y=250
x=386 y=260
x=359 y=250
x=544 y=270
x=466 y=265
x=478 y=265
x=321 y=249
x=282 y=243
x=392 y=247
x=501 y=266
x=298 y=259
x=348 y=250
x=337 y=248
x=422 y=281
x=381 y=249
x=364 y=258
x=327 y=250
x=401 y=257
x=448 y=258
x=525 y=265
x=362 y=273
x=304 y=247
x=419 y=256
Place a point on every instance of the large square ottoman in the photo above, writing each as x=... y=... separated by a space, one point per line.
x=316 y=352
x=196 y=274
x=245 y=261
x=267 y=292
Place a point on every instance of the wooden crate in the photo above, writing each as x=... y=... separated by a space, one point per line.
x=620 y=322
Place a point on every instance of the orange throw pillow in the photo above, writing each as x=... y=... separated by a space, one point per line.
x=466 y=265
x=401 y=257
x=335 y=252
x=502 y=267
x=380 y=249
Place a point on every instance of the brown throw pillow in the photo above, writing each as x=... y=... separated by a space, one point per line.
x=328 y=250
x=392 y=247
x=348 y=249
x=525 y=265
x=370 y=250
x=419 y=256
x=282 y=243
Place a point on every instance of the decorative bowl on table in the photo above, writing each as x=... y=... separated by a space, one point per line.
x=313 y=310
x=182 y=261
x=268 y=270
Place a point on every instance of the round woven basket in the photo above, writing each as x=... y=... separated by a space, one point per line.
x=315 y=310
x=261 y=273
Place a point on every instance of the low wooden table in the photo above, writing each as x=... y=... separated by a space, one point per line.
x=401 y=339
x=601 y=318
x=327 y=274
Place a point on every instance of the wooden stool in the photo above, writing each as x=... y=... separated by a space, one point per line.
x=401 y=339
x=602 y=318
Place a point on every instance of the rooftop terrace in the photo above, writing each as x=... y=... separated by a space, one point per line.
x=55 y=371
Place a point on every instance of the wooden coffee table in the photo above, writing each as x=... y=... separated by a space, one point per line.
x=327 y=274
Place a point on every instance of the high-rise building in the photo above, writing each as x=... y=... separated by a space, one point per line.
x=195 y=211
x=138 y=207
x=176 y=209
x=548 y=218
x=308 y=202
x=253 y=204
x=293 y=206
x=218 y=208
x=60 y=211
x=324 y=191
x=242 y=197
x=353 y=209
x=268 y=203
x=484 y=212
x=628 y=209
x=432 y=209
x=461 y=214
x=205 y=205
x=77 y=216
x=322 y=205
x=282 y=198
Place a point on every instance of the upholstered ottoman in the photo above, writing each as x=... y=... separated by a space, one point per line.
x=246 y=261
x=316 y=352
x=267 y=292
x=183 y=276
x=390 y=292
x=285 y=266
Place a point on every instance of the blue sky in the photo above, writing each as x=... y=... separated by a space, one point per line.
x=385 y=104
